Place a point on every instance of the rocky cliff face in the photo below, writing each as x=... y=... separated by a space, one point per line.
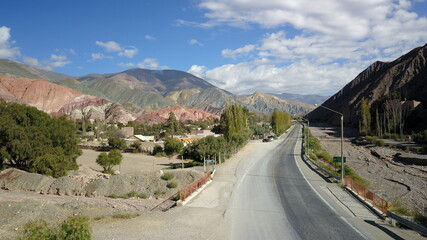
x=406 y=75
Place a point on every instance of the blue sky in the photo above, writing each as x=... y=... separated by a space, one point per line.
x=304 y=46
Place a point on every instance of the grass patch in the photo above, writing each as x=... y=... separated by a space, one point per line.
x=108 y=172
x=159 y=192
x=167 y=176
x=398 y=207
x=172 y=185
x=421 y=218
x=142 y=195
x=98 y=218
x=126 y=215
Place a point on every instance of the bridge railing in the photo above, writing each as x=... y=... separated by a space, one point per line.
x=367 y=195
x=194 y=186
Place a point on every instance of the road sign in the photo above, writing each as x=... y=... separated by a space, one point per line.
x=338 y=159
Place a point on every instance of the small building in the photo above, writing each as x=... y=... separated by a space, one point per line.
x=144 y=138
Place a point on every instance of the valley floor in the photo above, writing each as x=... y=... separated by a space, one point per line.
x=391 y=179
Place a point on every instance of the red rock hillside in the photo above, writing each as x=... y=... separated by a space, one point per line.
x=182 y=114
x=45 y=96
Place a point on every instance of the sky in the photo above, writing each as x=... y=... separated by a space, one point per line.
x=242 y=46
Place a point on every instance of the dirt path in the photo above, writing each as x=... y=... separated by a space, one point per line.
x=389 y=178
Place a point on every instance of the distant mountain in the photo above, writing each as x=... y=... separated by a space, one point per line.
x=265 y=103
x=154 y=89
x=182 y=114
x=406 y=76
x=309 y=99
x=18 y=69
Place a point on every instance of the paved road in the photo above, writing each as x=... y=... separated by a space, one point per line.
x=272 y=200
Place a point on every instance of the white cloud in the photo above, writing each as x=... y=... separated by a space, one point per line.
x=129 y=53
x=149 y=37
x=314 y=46
x=127 y=65
x=150 y=63
x=53 y=62
x=110 y=46
x=198 y=71
x=238 y=52
x=6 y=50
x=99 y=56
x=195 y=42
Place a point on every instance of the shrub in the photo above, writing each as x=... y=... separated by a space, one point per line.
x=131 y=194
x=399 y=207
x=37 y=230
x=167 y=176
x=380 y=143
x=75 y=227
x=159 y=192
x=172 y=185
x=324 y=156
x=113 y=158
x=157 y=149
x=142 y=195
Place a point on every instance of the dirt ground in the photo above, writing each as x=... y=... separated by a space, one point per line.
x=132 y=162
x=390 y=179
x=27 y=197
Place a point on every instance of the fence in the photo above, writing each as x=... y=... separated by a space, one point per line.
x=367 y=195
x=187 y=191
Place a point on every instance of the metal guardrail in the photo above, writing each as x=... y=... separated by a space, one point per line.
x=367 y=195
x=194 y=186
x=415 y=226
x=321 y=168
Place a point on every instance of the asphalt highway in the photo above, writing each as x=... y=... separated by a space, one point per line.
x=273 y=200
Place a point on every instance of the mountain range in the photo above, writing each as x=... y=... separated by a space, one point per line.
x=156 y=89
x=406 y=77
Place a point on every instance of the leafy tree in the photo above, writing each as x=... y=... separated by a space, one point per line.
x=173 y=145
x=365 y=117
x=234 y=121
x=108 y=161
x=117 y=143
x=280 y=121
x=29 y=136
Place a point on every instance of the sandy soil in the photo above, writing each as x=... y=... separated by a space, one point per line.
x=389 y=178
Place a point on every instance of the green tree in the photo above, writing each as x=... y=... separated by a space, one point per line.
x=117 y=143
x=108 y=161
x=29 y=136
x=173 y=145
x=234 y=121
x=365 y=117
x=280 y=121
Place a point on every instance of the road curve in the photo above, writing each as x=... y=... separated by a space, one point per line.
x=272 y=199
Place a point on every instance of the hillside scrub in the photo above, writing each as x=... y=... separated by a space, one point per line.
x=31 y=140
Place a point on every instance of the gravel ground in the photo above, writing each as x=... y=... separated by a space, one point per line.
x=27 y=197
x=389 y=178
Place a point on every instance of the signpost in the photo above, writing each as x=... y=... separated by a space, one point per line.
x=338 y=159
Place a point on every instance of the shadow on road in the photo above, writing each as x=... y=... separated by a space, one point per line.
x=385 y=230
